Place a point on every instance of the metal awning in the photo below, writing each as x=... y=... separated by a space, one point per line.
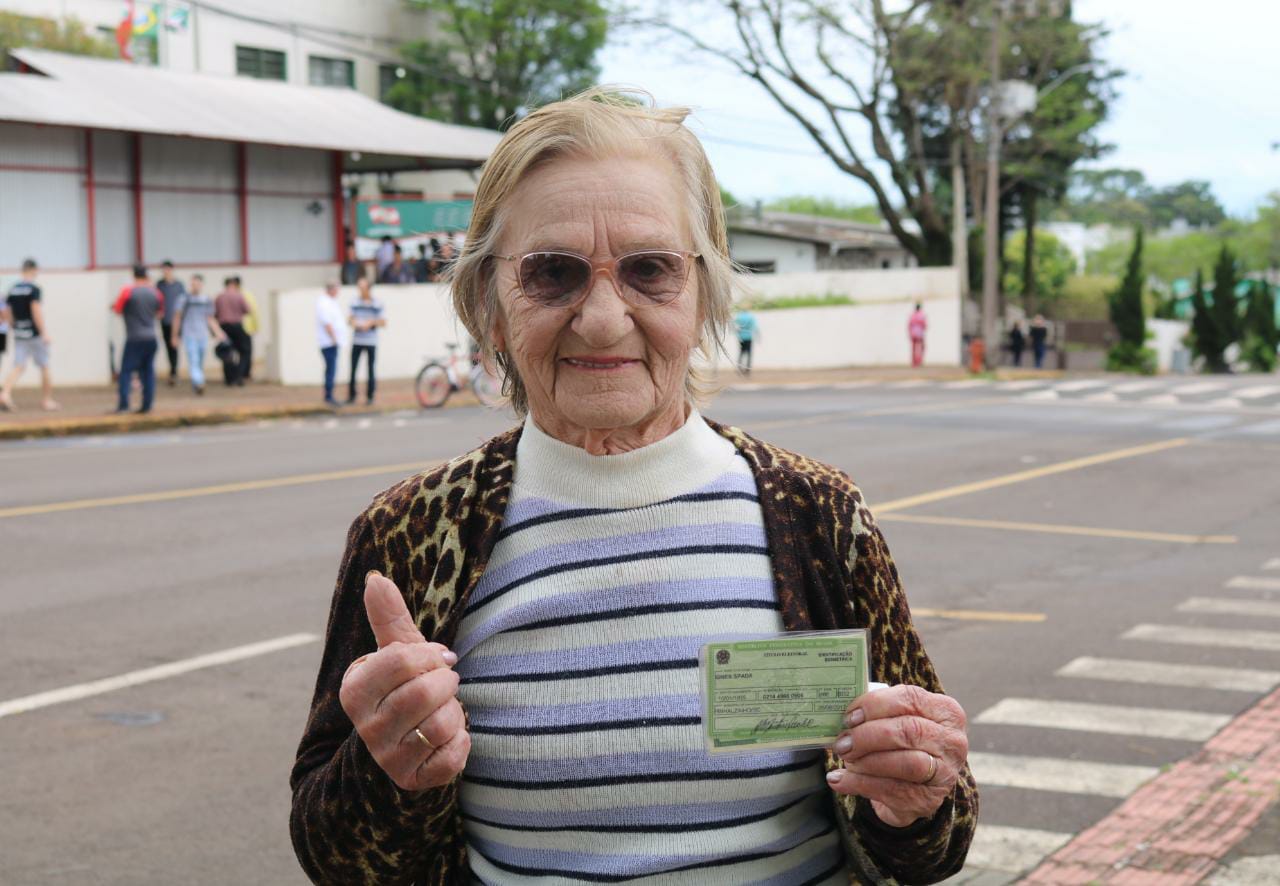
x=115 y=95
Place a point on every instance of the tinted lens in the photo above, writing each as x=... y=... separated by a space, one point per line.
x=552 y=278
x=654 y=276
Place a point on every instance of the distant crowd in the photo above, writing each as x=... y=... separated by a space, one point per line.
x=390 y=264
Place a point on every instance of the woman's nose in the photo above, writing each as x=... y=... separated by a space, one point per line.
x=603 y=317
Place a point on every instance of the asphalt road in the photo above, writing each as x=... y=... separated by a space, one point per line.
x=125 y=553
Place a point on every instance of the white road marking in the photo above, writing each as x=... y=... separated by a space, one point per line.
x=364 y=424
x=1162 y=400
x=1273 y=563
x=1165 y=674
x=1133 y=387
x=1256 y=582
x=399 y=423
x=1082 y=385
x=1059 y=775
x=1252 y=870
x=1267 y=641
x=150 y=675
x=1022 y=385
x=910 y=383
x=851 y=385
x=1108 y=719
x=1231 y=606
x=1258 y=392
x=1201 y=387
x=966 y=383
x=1011 y=850
x=1103 y=397
x=1226 y=403
x=1046 y=394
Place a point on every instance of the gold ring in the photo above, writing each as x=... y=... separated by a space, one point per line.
x=418 y=732
x=933 y=768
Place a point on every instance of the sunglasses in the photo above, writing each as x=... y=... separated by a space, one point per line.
x=563 y=279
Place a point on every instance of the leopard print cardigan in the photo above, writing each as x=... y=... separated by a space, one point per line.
x=432 y=535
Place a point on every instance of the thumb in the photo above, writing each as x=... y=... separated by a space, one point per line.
x=388 y=616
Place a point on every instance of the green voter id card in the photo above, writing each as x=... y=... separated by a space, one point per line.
x=788 y=692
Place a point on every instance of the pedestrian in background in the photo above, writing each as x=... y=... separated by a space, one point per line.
x=352 y=267
x=1017 y=342
x=382 y=258
x=916 y=327
x=4 y=330
x=250 y=327
x=365 y=319
x=397 y=271
x=173 y=292
x=329 y=329
x=230 y=309
x=24 y=312
x=422 y=264
x=193 y=323
x=745 y=324
x=140 y=304
x=1039 y=339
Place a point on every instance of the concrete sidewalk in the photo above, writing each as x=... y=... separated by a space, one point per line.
x=91 y=410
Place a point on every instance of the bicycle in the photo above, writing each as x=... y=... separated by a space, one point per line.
x=439 y=379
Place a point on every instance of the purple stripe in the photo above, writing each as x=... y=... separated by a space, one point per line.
x=616 y=546
x=633 y=816
x=824 y=860
x=528 y=508
x=558 y=660
x=594 y=601
x=616 y=765
x=632 y=865
x=604 y=710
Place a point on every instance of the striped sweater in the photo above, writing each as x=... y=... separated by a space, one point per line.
x=578 y=662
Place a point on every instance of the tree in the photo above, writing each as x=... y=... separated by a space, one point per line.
x=1191 y=201
x=67 y=35
x=496 y=59
x=1206 y=339
x=1052 y=266
x=1261 y=337
x=828 y=208
x=1226 y=311
x=892 y=96
x=1128 y=316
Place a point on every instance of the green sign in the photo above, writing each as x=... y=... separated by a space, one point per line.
x=404 y=218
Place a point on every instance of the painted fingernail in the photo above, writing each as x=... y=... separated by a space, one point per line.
x=450 y=658
x=371 y=573
x=855 y=718
x=844 y=745
x=834 y=776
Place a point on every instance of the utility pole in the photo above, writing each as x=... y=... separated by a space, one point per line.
x=991 y=232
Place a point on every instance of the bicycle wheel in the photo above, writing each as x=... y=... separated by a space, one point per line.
x=433 y=386
x=487 y=388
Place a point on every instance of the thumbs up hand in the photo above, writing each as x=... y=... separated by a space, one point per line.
x=402 y=699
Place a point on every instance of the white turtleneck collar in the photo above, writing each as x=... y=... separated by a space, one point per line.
x=678 y=463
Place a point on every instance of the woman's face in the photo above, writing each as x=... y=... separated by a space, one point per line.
x=603 y=365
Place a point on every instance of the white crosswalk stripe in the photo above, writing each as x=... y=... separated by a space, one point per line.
x=1022 y=385
x=1257 y=393
x=1226 y=403
x=1133 y=387
x=1167 y=674
x=1080 y=385
x=965 y=384
x=1255 y=582
x=1058 y=775
x=910 y=383
x=1267 y=641
x=1273 y=563
x=1103 y=718
x=1231 y=606
x=1162 y=400
x=1011 y=850
x=1203 y=387
x=1047 y=394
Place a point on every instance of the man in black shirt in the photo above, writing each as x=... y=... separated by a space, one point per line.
x=31 y=341
x=173 y=291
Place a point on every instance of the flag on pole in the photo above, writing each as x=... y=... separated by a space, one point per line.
x=124 y=32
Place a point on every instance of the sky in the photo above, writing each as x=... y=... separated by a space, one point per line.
x=1199 y=101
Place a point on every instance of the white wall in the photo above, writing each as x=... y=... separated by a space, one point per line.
x=790 y=255
x=420 y=321
x=1166 y=337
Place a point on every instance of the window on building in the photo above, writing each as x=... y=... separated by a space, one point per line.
x=388 y=76
x=323 y=71
x=265 y=64
x=760 y=267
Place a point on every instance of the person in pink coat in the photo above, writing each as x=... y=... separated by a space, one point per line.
x=916 y=327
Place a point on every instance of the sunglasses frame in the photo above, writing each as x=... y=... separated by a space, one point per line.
x=608 y=267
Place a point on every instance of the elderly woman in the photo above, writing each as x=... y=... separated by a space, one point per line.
x=509 y=691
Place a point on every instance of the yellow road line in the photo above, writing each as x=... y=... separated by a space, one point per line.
x=978 y=615
x=223 y=489
x=905 y=409
x=1074 y=464
x=1060 y=529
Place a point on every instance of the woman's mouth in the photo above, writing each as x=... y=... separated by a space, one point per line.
x=599 y=364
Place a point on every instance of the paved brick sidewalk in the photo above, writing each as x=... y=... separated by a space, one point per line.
x=89 y=410
x=1176 y=828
